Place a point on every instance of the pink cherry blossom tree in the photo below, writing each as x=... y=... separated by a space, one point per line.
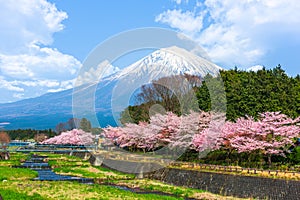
x=132 y=136
x=272 y=134
x=73 y=137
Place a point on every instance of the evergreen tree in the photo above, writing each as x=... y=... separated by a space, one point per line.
x=85 y=125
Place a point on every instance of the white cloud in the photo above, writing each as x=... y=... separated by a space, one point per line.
x=18 y=95
x=4 y=123
x=180 y=1
x=64 y=85
x=40 y=63
x=9 y=85
x=104 y=69
x=238 y=32
x=177 y=1
x=20 y=89
x=255 y=68
x=185 y=21
x=227 y=45
x=27 y=22
x=38 y=83
x=28 y=65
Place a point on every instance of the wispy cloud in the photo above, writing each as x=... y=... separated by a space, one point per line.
x=4 y=123
x=180 y=1
x=187 y=21
x=9 y=85
x=93 y=75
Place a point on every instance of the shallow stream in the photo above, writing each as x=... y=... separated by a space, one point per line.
x=45 y=173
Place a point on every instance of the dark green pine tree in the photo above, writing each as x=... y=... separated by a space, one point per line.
x=203 y=97
x=85 y=125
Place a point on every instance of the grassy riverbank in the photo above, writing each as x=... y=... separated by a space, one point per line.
x=17 y=183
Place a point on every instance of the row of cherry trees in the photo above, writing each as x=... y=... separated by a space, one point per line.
x=271 y=134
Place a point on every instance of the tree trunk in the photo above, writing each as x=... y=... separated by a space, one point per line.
x=270 y=160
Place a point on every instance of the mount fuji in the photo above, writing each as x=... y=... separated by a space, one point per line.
x=169 y=61
x=50 y=109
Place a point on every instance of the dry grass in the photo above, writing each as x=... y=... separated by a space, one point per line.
x=287 y=175
x=210 y=196
x=181 y=191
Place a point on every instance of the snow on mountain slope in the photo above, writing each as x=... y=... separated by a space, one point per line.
x=169 y=61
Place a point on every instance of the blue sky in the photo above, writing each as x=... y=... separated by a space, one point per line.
x=44 y=42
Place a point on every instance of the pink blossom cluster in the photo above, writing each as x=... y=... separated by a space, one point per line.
x=73 y=137
x=271 y=134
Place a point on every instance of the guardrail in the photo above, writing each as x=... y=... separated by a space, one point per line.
x=51 y=148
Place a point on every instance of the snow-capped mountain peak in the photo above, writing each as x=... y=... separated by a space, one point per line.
x=170 y=61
